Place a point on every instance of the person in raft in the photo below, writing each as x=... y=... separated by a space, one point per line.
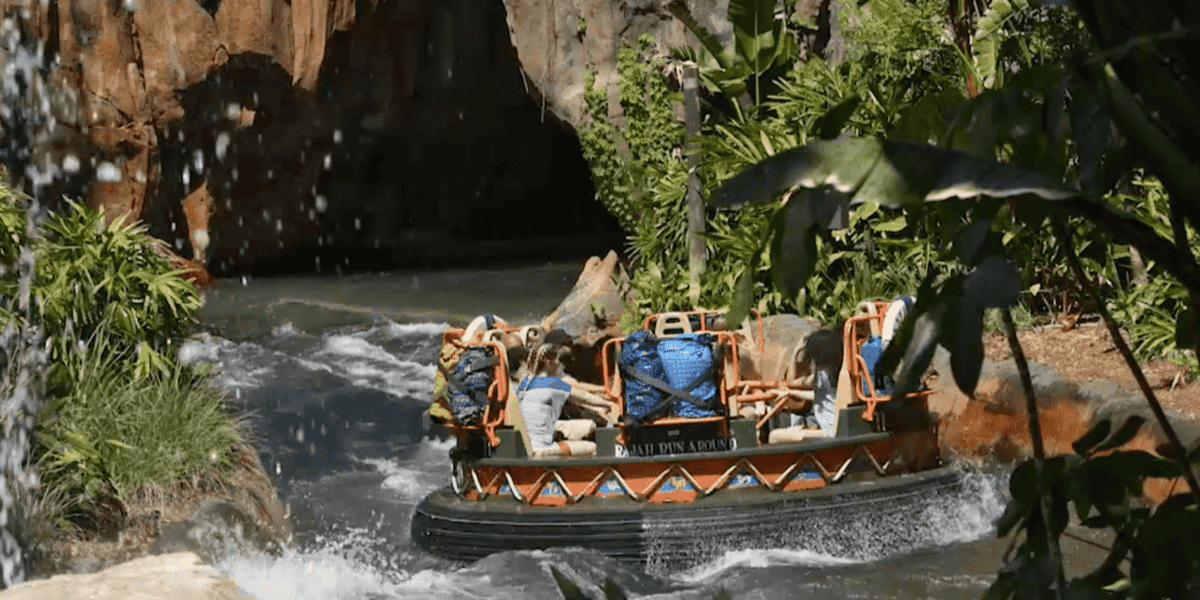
x=544 y=388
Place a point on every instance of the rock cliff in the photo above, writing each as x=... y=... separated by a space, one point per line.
x=380 y=128
x=246 y=132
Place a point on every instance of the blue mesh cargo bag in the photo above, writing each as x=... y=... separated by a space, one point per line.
x=687 y=360
x=871 y=351
x=469 y=384
x=639 y=352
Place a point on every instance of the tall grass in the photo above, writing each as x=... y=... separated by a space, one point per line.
x=109 y=429
x=120 y=412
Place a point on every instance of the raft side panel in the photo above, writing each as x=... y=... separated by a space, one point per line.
x=664 y=534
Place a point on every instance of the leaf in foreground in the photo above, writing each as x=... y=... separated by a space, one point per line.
x=888 y=172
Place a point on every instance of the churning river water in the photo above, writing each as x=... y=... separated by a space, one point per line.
x=335 y=374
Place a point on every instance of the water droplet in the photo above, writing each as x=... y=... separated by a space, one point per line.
x=278 y=468
x=266 y=216
x=321 y=204
x=328 y=161
x=130 y=5
x=172 y=226
x=187 y=178
x=245 y=280
x=109 y=173
x=337 y=136
x=198 y=160
x=270 y=173
x=357 y=223
x=234 y=174
x=70 y=163
x=233 y=111
x=278 y=226
x=222 y=145
x=312 y=215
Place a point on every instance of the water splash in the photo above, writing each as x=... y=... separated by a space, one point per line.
x=856 y=530
x=23 y=358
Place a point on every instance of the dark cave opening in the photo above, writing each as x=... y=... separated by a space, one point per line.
x=420 y=147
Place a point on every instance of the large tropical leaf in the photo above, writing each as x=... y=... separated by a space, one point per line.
x=988 y=35
x=888 y=172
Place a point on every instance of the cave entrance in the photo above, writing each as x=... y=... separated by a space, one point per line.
x=421 y=146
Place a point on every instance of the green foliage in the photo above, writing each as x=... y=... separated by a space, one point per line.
x=120 y=411
x=763 y=49
x=1015 y=34
x=111 y=426
x=91 y=275
x=1017 y=143
x=1101 y=489
x=900 y=39
x=651 y=137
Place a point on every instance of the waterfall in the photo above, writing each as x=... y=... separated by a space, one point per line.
x=28 y=127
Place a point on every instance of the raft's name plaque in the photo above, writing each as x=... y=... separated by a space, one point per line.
x=658 y=448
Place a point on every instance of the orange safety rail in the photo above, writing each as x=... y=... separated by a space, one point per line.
x=776 y=392
x=494 y=415
x=651 y=322
x=856 y=367
x=613 y=390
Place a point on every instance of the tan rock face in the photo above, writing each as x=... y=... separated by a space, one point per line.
x=112 y=97
x=179 y=44
x=130 y=147
x=131 y=67
x=259 y=26
x=557 y=41
x=176 y=576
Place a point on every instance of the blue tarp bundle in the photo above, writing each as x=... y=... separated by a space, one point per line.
x=640 y=352
x=683 y=362
x=685 y=358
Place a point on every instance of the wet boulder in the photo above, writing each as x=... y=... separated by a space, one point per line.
x=179 y=576
x=219 y=528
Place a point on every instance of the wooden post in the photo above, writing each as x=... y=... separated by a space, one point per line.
x=695 y=205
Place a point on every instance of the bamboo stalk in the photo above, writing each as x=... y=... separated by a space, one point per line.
x=1039 y=451
x=695 y=204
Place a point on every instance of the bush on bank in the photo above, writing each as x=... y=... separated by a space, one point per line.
x=900 y=78
x=105 y=312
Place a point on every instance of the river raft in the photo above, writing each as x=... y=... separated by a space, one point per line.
x=758 y=462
